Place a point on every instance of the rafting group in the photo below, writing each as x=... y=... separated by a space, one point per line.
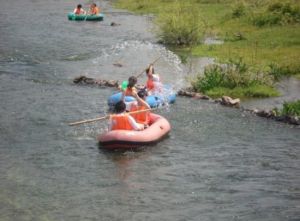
x=93 y=14
x=133 y=124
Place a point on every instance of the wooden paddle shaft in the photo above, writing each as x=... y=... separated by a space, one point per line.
x=105 y=117
x=146 y=68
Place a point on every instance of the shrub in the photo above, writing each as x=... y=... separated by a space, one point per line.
x=235 y=76
x=278 y=14
x=238 y=10
x=264 y=19
x=280 y=71
x=213 y=77
x=180 y=26
x=291 y=108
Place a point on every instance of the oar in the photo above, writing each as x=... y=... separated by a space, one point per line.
x=125 y=83
x=146 y=68
x=106 y=117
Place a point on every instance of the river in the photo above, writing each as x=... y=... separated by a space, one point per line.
x=218 y=163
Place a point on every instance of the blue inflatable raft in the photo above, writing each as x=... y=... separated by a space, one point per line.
x=153 y=100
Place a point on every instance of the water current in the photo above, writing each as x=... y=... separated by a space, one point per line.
x=217 y=163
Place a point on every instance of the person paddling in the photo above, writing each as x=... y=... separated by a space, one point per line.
x=122 y=120
x=139 y=104
x=94 y=10
x=130 y=86
x=153 y=83
x=79 y=10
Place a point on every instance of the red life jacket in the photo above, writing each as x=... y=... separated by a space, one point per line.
x=149 y=84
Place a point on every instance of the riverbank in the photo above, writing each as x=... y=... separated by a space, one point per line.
x=268 y=48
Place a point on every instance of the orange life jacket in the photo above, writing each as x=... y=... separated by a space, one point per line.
x=121 y=122
x=142 y=117
x=128 y=91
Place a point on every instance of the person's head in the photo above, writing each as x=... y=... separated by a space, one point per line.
x=93 y=5
x=143 y=94
x=131 y=81
x=79 y=6
x=120 y=107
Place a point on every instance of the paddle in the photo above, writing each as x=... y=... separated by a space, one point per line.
x=125 y=83
x=146 y=68
x=106 y=117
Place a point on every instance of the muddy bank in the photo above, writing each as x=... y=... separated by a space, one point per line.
x=188 y=92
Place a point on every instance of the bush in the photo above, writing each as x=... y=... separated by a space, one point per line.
x=278 y=72
x=234 y=77
x=238 y=10
x=213 y=77
x=283 y=71
x=291 y=108
x=264 y=19
x=278 y=14
x=180 y=26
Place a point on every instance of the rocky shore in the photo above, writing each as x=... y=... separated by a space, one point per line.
x=188 y=92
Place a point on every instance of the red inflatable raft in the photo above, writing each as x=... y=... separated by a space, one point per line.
x=128 y=139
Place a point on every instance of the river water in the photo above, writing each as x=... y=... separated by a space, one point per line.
x=217 y=163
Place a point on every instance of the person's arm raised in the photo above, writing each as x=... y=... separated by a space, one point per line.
x=141 y=101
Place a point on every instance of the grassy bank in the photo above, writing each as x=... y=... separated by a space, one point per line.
x=289 y=109
x=265 y=34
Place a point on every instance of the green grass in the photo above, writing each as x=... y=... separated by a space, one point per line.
x=272 y=47
x=256 y=91
x=289 y=109
x=260 y=47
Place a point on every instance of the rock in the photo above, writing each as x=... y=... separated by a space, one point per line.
x=117 y=64
x=228 y=101
x=294 y=120
x=83 y=79
x=111 y=83
x=263 y=113
x=201 y=96
x=114 y=24
x=239 y=36
x=98 y=82
x=219 y=100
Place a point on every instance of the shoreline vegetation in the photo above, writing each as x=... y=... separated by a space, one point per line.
x=263 y=35
x=261 y=41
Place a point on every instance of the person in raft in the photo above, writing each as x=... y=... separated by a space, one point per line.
x=153 y=83
x=94 y=10
x=130 y=87
x=139 y=105
x=122 y=120
x=79 y=10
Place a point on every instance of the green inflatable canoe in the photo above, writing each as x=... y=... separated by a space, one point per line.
x=73 y=17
